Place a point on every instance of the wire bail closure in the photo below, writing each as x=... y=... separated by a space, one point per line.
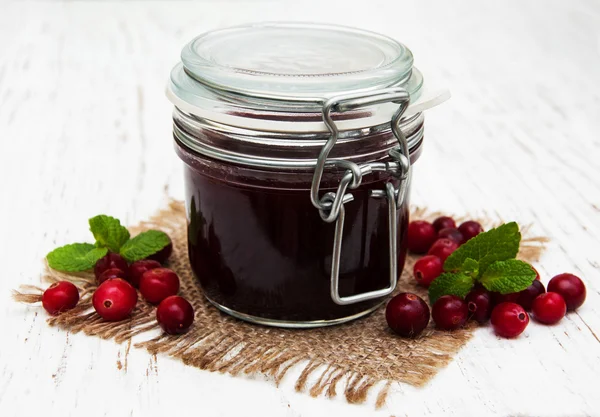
x=331 y=205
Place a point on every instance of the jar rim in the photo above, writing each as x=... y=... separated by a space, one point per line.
x=284 y=151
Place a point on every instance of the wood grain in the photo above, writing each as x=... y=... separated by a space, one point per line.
x=85 y=129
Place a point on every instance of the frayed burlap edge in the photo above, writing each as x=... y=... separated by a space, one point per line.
x=220 y=343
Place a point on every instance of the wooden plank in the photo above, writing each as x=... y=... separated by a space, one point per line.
x=85 y=129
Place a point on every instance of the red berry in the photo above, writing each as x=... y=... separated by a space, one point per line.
x=420 y=236
x=114 y=299
x=60 y=296
x=498 y=298
x=526 y=297
x=549 y=308
x=479 y=303
x=509 y=319
x=470 y=229
x=407 y=314
x=442 y=248
x=570 y=287
x=159 y=283
x=450 y=312
x=163 y=254
x=137 y=269
x=109 y=261
x=175 y=315
x=427 y=269
x=110 y=274
x=452 y=234
x=443 y=222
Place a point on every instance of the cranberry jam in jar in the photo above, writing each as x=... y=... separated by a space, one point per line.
x=297 y=142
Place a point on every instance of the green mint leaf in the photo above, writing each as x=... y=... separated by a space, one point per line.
x=508 y=276
x=470 y=267
x=75 y=257
x=144 y=245
x=497 y=244
x=449 y=283
x=108 y=232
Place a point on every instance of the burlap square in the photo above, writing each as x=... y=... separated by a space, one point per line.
x=349 y=358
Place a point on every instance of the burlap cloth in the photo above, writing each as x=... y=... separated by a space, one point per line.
x=350 y=358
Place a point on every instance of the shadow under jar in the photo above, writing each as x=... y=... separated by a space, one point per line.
x=297 y=142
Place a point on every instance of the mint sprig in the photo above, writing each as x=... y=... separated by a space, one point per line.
x=110 y=235
x=497 y=244
x=450 y=283
x=75 y=257
x=144 y=245
x=108 y=232
x=508 y=276
x=488 y=258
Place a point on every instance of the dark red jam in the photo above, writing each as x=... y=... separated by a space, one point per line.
x=259 y=247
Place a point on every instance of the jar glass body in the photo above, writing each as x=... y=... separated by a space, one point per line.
x=261 y=251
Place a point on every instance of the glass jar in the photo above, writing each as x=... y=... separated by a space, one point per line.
x=297 y=142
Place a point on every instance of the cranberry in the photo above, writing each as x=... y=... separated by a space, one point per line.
x=442 y=248
x=452 y=234
x=175 y=314
x=479 y=303
x=444 y=222
x=60 y=296
x=420 y=236
x=498 y=298
x=163 y=254
x=526 y=297
x=407 y=314
x=509 y=319
x=114 y=299
x=159 y=283
x=109 y=261
x=137 y=269
x=570 y=287
x=470 y=229
x=426 y=269
x=549 y=308
x=110 y=274
x=449 y=312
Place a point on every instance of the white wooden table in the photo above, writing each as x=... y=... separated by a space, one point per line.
x=85 y=129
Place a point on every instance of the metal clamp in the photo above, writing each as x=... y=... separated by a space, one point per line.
x=331 y=205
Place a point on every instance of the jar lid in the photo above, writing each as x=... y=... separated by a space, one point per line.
x=291 y=61
x=276 y=76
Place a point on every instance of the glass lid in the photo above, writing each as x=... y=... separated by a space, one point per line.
x=277 y=76
x=295 y=61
